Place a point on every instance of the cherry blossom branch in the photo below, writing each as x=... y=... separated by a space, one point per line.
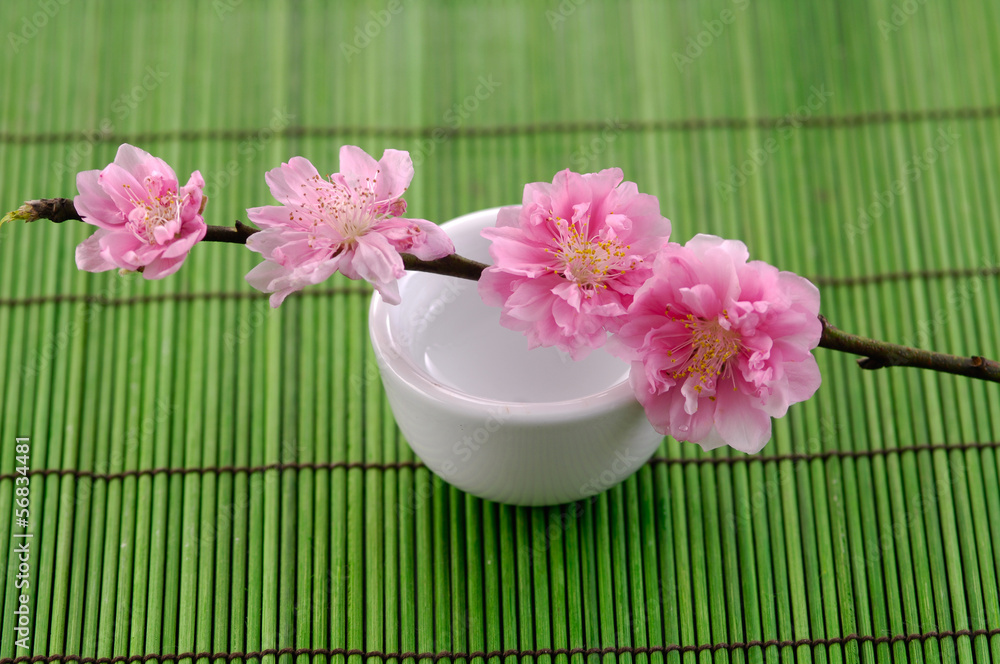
x=449 y=266
x=58 y=210
x=875 y=354
x=881 y=354
x=237 y=235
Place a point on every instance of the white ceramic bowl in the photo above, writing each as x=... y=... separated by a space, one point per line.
x=486 y=414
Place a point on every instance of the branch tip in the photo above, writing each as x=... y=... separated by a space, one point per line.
x=246 y=229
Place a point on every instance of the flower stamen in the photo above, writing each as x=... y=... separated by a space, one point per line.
x=351 y=212
x=152 y=212
x=590 y=262
x=712 y=346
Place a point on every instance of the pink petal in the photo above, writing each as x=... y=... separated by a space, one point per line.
x=689 y=426
x=358 y=168
x=181 y=246
x=193 y=195
x=88 y=254
x=162 y=234
x=568 y=318
x=801 y=380
x=140 y=164
x=280 y=216
x=701 y=300
x=269 y=277
x=509 y=216
x=570 y=189
x=711 y=440
x=264 y=275
x=376 y=262
x=532 y=299
x=740 y=424
x=419 y=237
x=702 y=244
x=389 y=291
x=282 y=280
x=396 y=173
x=569 y=293
x=122 y=187
x=300 y=170
x=121 y=248
x=602 y=185
x=163 y=267
x=495 y=286
x=511 y=253
x=287 y=246
x=93 y=203
x=288 y=182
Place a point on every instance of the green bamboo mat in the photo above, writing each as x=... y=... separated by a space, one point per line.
x=211 y=480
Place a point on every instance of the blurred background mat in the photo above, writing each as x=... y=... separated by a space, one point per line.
x=210 y=476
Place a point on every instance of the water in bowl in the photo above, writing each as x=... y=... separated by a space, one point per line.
x=459 y=341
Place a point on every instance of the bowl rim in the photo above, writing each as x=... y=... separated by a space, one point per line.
x=391 y=357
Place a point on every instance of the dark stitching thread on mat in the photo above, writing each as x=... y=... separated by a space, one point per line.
x=398 y=465
x=679 y=124
x=332 y=465
x=538 y=652
x=829 y=454
x=170 y=297
x=957 y=273
x=865 y=280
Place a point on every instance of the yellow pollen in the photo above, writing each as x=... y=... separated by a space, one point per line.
x=712 y=346
x=587 y=261
x=157 y=210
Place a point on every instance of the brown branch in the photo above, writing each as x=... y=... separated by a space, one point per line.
x=449 y=266
x=59 y=210
x=236 y=235
x=56 y=210
x=876 y=354
x=881 y=354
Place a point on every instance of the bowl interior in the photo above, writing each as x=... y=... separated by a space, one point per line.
x=446 y=332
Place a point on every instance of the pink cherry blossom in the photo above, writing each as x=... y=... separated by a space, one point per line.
x=145 y=221
x=568 y=261
x=720 y=345
x=350 y=222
